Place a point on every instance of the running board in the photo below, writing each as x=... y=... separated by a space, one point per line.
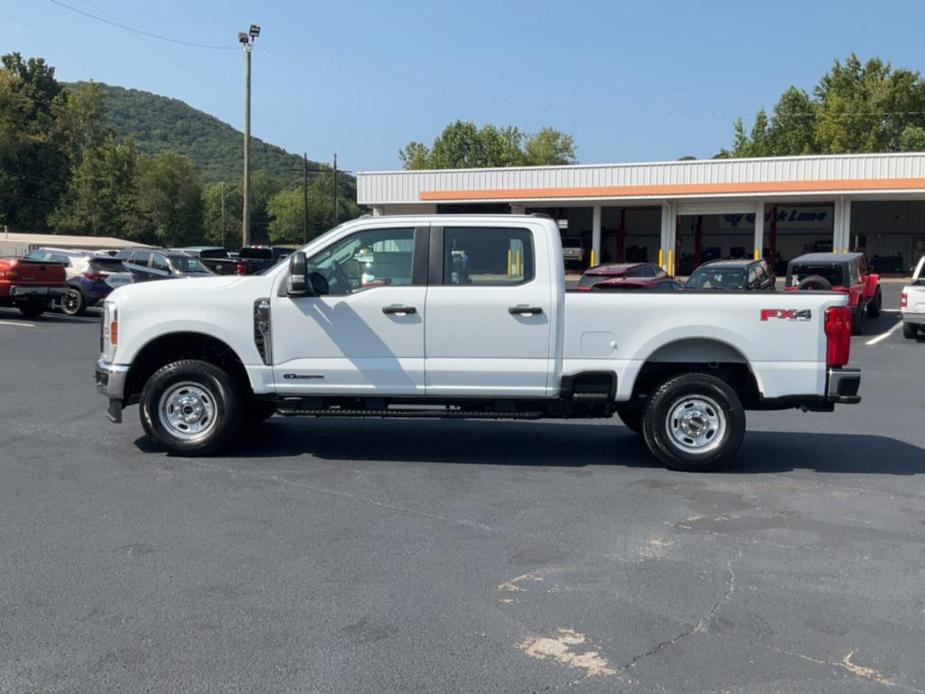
x=428 y=413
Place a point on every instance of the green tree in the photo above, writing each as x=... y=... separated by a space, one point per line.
x=464 y=145
x=102 y=195
x=549 y=147
x=33 y=164
x=170 y=202
x=212 y=202
x=855 y=107
x=81 y=116
x=286 y=209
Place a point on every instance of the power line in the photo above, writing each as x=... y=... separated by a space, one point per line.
x=141 y=31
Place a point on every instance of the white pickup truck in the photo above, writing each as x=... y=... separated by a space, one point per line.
x=467 y=317
x=912 y=302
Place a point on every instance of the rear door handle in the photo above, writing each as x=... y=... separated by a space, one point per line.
x=525 y=310
x=398 y=310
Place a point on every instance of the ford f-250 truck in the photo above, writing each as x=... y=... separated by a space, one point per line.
x=468 y=317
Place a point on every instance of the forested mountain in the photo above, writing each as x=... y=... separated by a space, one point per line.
x=160 y=124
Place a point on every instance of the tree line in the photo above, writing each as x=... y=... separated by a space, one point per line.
x=62 y=169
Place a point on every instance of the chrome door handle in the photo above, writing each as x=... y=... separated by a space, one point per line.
x=398 y=310
x=525 y=310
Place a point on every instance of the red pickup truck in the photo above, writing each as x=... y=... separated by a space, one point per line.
x=30 y=285
x=846 y=273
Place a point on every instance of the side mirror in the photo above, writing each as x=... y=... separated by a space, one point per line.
x=297 y=283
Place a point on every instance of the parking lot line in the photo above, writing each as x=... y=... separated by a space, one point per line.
x=881 y=338
x=21 y=324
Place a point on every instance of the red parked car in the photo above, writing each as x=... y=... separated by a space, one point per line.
x=30 y=285
x=638 y=272
x=847 y=273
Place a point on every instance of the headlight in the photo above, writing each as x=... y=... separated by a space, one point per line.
x=109 y=330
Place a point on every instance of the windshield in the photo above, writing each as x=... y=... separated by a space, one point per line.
x=717 y=278
x=833 y=272
x=188 y=264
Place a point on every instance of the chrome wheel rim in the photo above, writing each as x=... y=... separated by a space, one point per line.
x=696 y=424
x=71 y=301
x=187 y=411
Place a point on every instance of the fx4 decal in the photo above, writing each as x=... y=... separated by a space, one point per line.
x=786 y=314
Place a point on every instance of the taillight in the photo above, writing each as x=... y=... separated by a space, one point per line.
x=838 y=335
x=240 y=269
x=96 y=275
x=114 y=332
x=13 y=270
x=904 y=300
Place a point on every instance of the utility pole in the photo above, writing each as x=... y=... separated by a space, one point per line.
x=335 y=190
x=223 y=213
x=247 y=41
x=304 y=197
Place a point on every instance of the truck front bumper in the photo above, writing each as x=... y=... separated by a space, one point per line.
x=842 y=386
x=110 y=381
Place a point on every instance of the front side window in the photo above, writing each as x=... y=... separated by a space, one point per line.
x=188 y=264
x=367 y=259
x=159 y=262
x=487 y=256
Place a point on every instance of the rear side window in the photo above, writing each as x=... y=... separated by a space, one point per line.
x=487 y=256
x=140 y=259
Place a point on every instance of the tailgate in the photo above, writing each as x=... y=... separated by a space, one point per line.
x=37 y=272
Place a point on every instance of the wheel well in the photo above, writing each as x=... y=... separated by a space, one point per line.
x=698 y=356
x=175 y=346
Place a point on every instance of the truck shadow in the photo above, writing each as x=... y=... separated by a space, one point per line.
x=560 y=445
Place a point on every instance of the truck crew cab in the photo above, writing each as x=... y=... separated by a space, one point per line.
x=466 y=317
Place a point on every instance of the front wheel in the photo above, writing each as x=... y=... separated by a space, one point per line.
x=191 y=407
x=694 y=422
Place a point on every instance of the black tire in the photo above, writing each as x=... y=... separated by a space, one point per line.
x=874 y=306
x=817 y=282
x=258 y=411
x=73 y=302
x=857 y=321
x=910 y=331
x=714 y=406
x=204 y=388
x=631 y=416
x=33 y=309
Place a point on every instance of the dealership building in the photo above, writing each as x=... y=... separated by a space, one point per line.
x=682 y=213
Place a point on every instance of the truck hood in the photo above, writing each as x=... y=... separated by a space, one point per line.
x=181 y=288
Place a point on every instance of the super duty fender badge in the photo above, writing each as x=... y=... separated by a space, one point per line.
x=802 y=314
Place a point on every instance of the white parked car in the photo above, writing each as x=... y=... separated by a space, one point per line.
x=912 y=302
x=467 y=317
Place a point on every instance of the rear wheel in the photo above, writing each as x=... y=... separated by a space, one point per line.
x=910 y=331
x=72 y=303
x=33 y=309
x=694 y=423
x=857 y=321
x=873 y=308
x=191 y=407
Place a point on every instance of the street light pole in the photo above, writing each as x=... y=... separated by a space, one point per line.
x=247 y=41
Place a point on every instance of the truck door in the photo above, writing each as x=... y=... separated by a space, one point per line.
x=367 y=333
x=489 y=312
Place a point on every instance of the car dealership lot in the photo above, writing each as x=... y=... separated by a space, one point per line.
x=339 y=555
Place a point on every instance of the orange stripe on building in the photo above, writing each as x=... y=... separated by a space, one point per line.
x=858 y=185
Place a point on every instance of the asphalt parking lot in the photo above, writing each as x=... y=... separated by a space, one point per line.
x=419 y=556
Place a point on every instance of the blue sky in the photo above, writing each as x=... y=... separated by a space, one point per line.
x=631 y=81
